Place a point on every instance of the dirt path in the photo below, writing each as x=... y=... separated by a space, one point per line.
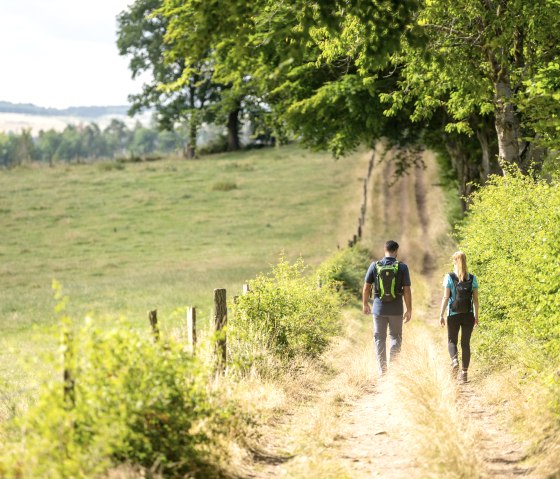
x=373 y=435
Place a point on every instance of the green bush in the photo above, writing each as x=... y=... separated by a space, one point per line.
x=219 y=144
x=512 y=240
x=224 y=186
x=136 y=402
x=347 y=269
x=284 y=316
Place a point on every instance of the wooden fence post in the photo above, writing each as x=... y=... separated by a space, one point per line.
x=191 y=329
x=246 y=288
x=67 y=374
x=152 y=316
x=220 y=321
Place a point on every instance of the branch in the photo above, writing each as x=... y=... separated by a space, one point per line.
x=450 y=30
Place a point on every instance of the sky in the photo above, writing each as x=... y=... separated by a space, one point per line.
x=61 y=53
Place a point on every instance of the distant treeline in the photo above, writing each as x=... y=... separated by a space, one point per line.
x=88 y=142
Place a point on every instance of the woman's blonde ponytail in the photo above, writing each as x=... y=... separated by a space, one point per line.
x=460 y=260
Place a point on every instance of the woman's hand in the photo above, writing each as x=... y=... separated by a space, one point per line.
x=441 y=320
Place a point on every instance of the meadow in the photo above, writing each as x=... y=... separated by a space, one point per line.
x=124 y=238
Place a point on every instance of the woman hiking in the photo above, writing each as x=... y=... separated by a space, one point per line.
x=460 y=297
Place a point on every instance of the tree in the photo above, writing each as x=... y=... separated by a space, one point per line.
x=167 y=141
x=25 y=151
x=47 y=144
x=143 y=140
x=140 y=36
x=70 y=147
x=7 y=148
x=117 y=136
x=94 y=144
x=476 y=61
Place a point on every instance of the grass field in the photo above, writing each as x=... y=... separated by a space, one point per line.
x=126 y=238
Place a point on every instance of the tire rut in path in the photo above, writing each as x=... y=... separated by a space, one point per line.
x=373 y=439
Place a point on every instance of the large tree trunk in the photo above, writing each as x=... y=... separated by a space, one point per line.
x=233 y=130
x=507 y=124
x=190 y=150
x=484 y=141
x=191 y=146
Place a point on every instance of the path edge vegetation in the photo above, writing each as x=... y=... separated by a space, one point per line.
x=511 y=235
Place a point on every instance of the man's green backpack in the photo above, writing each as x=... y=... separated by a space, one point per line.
x=386 y=283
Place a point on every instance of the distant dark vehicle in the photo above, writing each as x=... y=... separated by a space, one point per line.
x=261 y=141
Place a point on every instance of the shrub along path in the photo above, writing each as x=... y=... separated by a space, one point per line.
x=416 y=422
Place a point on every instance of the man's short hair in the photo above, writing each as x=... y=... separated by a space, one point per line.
x=391 y=246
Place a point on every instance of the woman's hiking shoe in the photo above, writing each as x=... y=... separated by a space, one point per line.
x=463 y=376
x=454 y=367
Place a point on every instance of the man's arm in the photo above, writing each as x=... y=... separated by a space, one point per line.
x=407 y=294
x=366 y=293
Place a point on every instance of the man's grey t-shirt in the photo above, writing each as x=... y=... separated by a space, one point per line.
x=393 y=308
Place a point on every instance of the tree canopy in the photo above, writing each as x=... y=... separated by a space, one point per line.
x=478 y=80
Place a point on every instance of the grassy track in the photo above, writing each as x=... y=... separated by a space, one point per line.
x=161 y=234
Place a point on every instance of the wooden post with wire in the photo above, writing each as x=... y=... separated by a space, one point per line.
x=152 y=316
x=67 y=374
x=191 y=329
x=220 y=322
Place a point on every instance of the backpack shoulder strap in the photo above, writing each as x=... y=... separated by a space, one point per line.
x=454 y=278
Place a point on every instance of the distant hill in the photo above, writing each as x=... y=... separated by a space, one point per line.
x=14 y=117
x=74 y=111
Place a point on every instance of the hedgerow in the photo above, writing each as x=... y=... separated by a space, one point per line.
x=512 y=240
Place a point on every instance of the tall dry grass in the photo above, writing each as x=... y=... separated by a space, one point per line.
x=445 y=443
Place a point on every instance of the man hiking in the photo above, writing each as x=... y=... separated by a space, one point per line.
x=391 y=282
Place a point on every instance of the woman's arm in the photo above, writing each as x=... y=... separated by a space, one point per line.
x=475 y=304
x=444 y=301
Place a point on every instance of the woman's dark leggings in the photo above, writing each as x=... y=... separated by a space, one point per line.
x=465 y=322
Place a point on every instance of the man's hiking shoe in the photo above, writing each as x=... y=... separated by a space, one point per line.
x=463 y=376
